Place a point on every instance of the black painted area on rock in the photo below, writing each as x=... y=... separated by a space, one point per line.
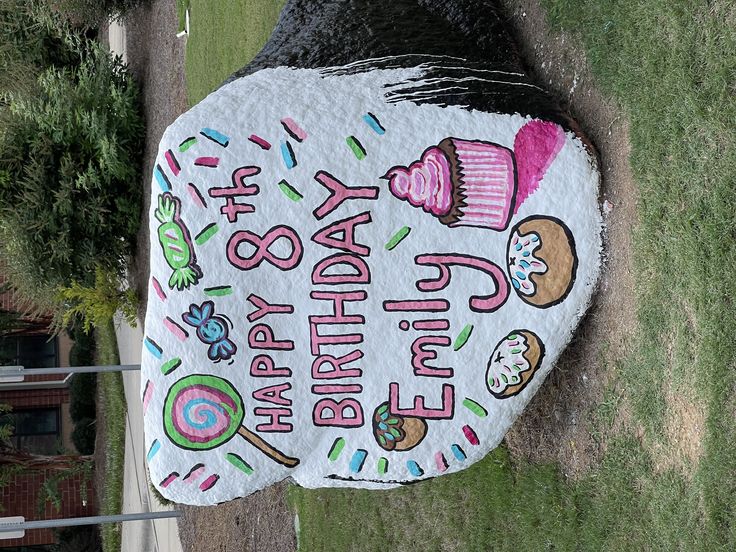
x=458 y=39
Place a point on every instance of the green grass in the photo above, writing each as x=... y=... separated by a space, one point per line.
x=224 y=37
x=181 y=8
x=113 y=396
x=670 y=65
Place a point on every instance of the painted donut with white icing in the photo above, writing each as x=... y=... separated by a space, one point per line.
x=513 y=363
x=541 y=260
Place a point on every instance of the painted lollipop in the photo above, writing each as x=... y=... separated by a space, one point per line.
x=202 y=412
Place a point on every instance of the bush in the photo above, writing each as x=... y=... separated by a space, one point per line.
x=82 y=352
x=70 y=172
x=82 y=396
x=79 y=539
x=83 y=436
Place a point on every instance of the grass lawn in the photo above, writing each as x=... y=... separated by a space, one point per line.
x=670 y=65
x=224 y=36
x=113 y=395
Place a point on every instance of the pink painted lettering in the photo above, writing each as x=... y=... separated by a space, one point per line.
x=339 y=193
x=420 y=410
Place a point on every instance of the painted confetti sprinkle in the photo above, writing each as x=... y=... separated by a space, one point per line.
x=260 y=142
x=170 y=365
x=239 y=463
x=470 y=435
x=293 y=129
x=336 y=449
x=218 y=291
x=441 y=462
x=196 y=195
x=211 y=162
x=206 y=233
x=287 y=153
x=475 y=407
x=194 y=474
x=169 y=479
x=159 y=290
x=462 y=337
x=153 y=347
x=173 y=163
x=357 y=461
x=163 y=180
x=414 y=468
x=357 y=148
x=180 y=333
x=215 y=136
x=372 y=121
x=155 y=447
x=210 y=482
x=398 y=237
x=289 y=191
x=382 y=465
x=147 y=394
x=458 y=451
x=186 y=144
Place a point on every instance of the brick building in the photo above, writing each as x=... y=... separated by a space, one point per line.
x=43 y=426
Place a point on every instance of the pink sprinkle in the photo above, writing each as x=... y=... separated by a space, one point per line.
x=208 y=483
x=525 y=285
x=196 y=195
x=516 y=240
x=211 y=162
x=294 y=129
x=536 y=263
x=147 y=394
x=173 y=164
x=176 y=329
x=171 y=478
x=470 y=435
x=441 y=462
x=194 y=474
x=259 y=142
x=157 y=287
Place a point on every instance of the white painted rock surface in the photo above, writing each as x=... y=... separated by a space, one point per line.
x=350 y=289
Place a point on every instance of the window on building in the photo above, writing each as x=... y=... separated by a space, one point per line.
x=31 y=351
x=36 y=430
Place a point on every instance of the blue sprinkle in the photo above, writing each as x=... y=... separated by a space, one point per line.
x=516 y=283
x=526 y=254
x=215 y=136
x=458 y=452
x=163 y=182
x=535 y=238
x=384 y=416
x=518 y=246
x=383 y=426
x=389 y=436
x=153 y=347
x=524 y=264
x=356 y=463
x=520 y=275
x=374 y=123
x=414 y=468
x=155 y=446
x=288 y=155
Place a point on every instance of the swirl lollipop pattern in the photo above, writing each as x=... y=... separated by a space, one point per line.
x=202 y=412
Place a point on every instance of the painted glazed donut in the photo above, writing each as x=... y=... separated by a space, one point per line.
x=513 y=363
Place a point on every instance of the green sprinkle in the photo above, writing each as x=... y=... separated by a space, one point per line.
x=515 y=351
x=206 y=233
x=356 y=146
x=383 y=409
x=392 y=421
x=475 y=408
x=511 y=336
x=397 y=237
x=219 y=291
x=463 y=337
x=239 y=463
x=186 y=144
x=170 y=365
x=382 y=440
x=382 y=466
x=289 y=191
x=336 y=449
x=395 y=432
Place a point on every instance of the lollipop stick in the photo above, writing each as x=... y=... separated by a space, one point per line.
x=267 y=449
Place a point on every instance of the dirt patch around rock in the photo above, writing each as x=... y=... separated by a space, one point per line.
x=556 y=425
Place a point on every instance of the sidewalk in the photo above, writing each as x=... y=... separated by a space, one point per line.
x=140 y=536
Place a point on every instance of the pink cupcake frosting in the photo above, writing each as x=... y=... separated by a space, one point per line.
x=426 y=183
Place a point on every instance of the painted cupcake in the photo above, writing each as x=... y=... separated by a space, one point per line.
x=478 y=183
x=513 y=363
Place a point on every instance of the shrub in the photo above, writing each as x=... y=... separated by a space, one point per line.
x=82 y=396
x=93 y=12
x=82 y=352
x=83 y=436
x=79 y=539
x=70 y=172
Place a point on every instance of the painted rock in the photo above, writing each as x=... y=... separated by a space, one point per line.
x=355 y=282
